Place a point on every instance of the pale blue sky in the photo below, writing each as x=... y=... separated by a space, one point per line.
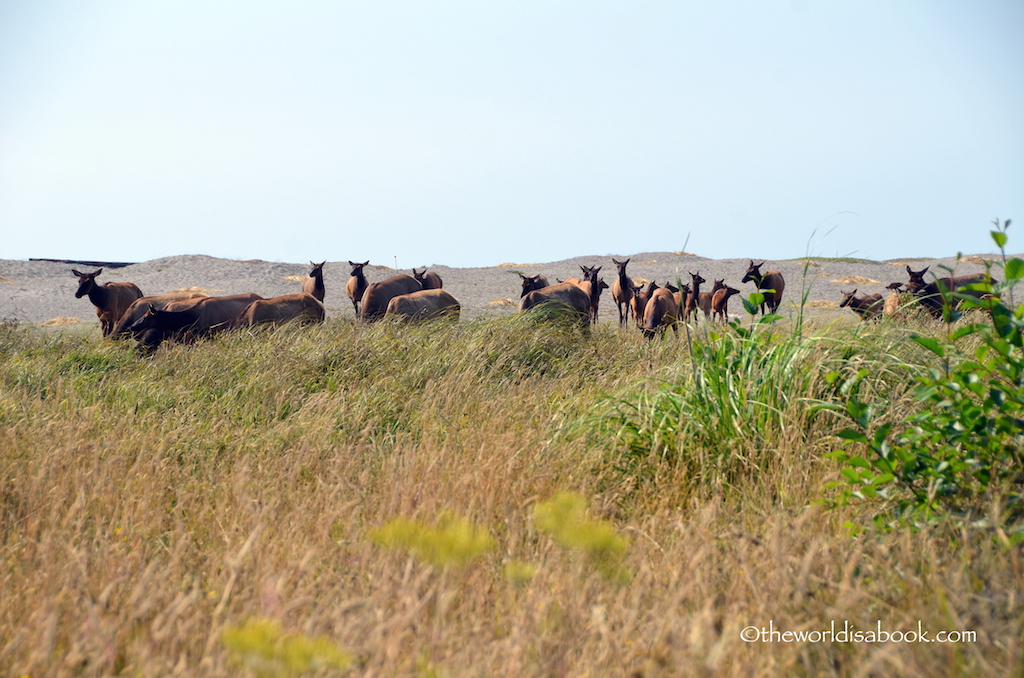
x=475 y=133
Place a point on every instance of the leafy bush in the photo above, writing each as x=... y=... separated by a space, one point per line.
x=962 y=449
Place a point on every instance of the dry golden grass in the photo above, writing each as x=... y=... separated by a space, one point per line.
x=148 y=505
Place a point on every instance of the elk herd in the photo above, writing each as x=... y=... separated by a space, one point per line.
x=124 y=311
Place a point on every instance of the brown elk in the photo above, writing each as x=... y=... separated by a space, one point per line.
x=720 y=302
x=424 y=305
x=930 y=295
x=191 y=318
x=378 y=295
x=314 y=282
x=356 y=285
x=140 y=305
x=692 y=297
x=532 y=282
x=639 y=302
x=111 y=300
x=661 y=312
x=429 y=281
x=706 y=299
x=566 y=297
x=770 y=284
x=868 y=307
x=277 y=310
x=893 y=301
x=622 y=291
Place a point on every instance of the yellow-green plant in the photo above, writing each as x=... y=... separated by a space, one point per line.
x=265 y=648
x=565 y=518
x=451 y=541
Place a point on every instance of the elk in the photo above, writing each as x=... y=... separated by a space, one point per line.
x=771 y=284
x=706 y=298
x=282 y=309
x=661 y=312
x=140 y=305
x=378 y=295
x=868 y=307
x=693 y=294
x=424 y=305
x=314 y=282
x=622 y=291
x=639 y=302
x=191 y=318
x=356 y=285
x=893 y=301
x=933 y=295
x=565 y=297
x=532 y=282
x=720 y=302
x=429 y=281
x=111 y=300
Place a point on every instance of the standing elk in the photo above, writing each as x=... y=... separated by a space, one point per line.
x=690 y=306
x=622 y=291
x=720 y=302
x=565 y=297
x=770 y=284
x=532 y=282
x=111 y=300
x=661 y=312
x=706 y=299
x=314 y=282
x=356 y=285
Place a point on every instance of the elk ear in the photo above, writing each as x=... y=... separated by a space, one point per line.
x=76 y=272
x=908 y=270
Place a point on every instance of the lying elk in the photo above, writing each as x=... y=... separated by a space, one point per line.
x=429 y=281
x=190 y=319
x=934 y=295
x=770 y=284
x=142 y=304
x=111 y=300
x=424 y=305
x=868 y=307
x=378 y=295
x=277 y=310
x=314 y=282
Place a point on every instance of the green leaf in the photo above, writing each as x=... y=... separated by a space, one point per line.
x=851 y=475
x=854 y=435
x=999 y=238
x=1014 y=269
x=930 y=344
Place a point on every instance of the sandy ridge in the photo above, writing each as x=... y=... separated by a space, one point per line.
x=38 y=291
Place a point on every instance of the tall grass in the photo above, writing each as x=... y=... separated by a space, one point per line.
x=229 y=506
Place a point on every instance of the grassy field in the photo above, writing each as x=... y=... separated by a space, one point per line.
x=504 y=497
